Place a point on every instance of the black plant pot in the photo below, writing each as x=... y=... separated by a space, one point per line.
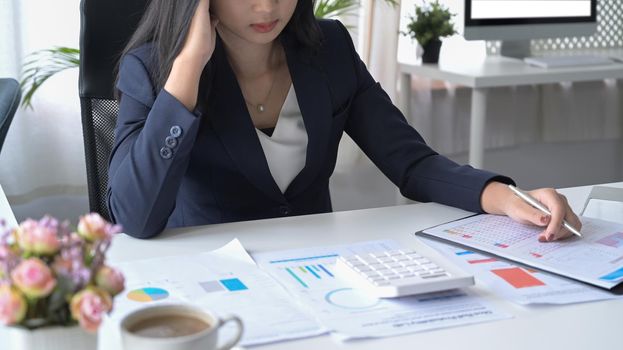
x=431 y=51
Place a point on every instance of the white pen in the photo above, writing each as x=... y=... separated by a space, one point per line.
x=535 y=203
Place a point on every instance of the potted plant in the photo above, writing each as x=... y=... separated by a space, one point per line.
x=55 y=286
x=430 y=23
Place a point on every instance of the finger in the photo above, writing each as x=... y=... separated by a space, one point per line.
x=524 y=213
x=558 y=207
x=571 y=218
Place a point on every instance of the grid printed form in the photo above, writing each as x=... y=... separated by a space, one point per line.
x=494 y=231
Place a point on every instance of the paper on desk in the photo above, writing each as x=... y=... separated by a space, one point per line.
x=517 y=284
x=596 y=258
x=224 y=281
x=308 y=275
x=6 y=213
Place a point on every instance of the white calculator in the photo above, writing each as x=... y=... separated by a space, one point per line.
x=396 y=273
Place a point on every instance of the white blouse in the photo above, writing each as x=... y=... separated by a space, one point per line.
x=286 y=149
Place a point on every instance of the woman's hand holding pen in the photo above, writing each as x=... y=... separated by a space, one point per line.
x=183 y=81
x=497 y=198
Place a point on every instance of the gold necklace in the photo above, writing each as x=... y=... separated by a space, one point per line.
x=261 y=107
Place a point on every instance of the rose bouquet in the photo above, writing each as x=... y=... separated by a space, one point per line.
x=51 y=275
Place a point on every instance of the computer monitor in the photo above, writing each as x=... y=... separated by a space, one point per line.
x=515 y=22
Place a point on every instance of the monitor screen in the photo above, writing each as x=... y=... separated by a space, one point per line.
x=508 y=12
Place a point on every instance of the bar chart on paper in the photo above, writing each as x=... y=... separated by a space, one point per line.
x=316 y=270
x=596 y=258
x=518 y=284
x=307 y=275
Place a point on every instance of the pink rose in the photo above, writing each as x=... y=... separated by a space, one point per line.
x=33 y=278
x=110 y=280
x=93 y=227
x=89 y=306
x=12 y=305
x=39 y=238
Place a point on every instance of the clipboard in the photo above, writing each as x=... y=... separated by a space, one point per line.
x=605 y=239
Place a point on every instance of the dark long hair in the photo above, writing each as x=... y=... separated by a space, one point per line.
x=166 y=23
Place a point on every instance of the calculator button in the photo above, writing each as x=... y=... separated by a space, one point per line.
x=368 y=259
x=434 y=275
x=356 y=264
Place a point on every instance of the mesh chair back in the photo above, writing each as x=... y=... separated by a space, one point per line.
x=9 y=101
x=105 y=28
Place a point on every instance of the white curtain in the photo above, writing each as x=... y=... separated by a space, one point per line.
x=376 y=35
x=43 y=153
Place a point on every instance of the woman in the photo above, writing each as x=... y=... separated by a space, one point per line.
x=233 y=110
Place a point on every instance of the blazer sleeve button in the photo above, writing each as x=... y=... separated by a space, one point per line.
x=166 y=153
x=176 y=131
x=170 y=141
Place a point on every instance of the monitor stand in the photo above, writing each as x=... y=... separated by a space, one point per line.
x=515 y=48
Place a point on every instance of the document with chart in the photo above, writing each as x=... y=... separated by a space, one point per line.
x=596 y=258
x=350 y=313
x=224 y=281
x=522 y=285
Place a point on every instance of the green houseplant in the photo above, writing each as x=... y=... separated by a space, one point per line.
x=43 y=64
x=431 y=22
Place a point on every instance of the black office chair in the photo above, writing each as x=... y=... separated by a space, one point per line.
x=10 y=96
x=106 y=27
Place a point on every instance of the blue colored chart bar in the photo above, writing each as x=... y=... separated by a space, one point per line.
x=305 y=258
x=296 y=277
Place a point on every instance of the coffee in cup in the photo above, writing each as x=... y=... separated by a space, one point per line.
x=175 y=326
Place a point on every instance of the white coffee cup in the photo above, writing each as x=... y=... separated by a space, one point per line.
x=205 y=337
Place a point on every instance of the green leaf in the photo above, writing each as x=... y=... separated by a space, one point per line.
x=430 y=22
x=340 y=8
x=41 y=65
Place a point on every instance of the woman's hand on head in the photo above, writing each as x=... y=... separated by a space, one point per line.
x=201 y=38
x=183 y=80
x=497 y=198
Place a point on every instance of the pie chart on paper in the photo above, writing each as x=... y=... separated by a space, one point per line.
x=145 y=295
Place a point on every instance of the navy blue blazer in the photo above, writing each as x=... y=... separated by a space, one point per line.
x=172 y=167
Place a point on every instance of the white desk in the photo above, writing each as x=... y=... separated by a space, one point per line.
x=582 y=326
x=495 y=71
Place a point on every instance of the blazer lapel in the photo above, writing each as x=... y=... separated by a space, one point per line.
x=228 y=114
x=230 y=118
x=314 y=100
